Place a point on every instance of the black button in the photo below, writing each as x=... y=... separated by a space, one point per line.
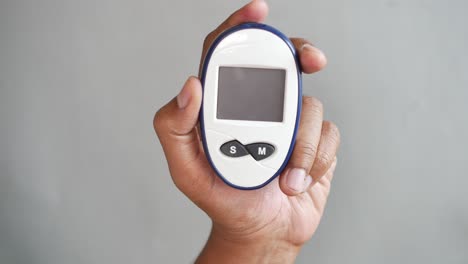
x=233 y=149
x=260 y=151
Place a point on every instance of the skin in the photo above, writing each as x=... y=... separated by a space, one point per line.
x=271 y=224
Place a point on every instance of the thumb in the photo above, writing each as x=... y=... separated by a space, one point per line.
x=175 y=124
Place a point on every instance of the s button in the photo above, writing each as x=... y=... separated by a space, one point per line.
x=233 y=149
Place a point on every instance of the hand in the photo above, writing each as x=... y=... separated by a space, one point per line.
x=270 y=224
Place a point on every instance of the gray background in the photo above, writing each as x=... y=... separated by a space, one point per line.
x=83 y=178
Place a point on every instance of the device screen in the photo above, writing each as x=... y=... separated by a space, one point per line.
x=251 y=94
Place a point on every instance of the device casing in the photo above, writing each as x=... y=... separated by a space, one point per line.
x=251 y=45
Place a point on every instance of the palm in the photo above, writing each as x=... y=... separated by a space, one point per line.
x=265 y=212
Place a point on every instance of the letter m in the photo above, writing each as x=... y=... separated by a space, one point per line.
x=261 y=151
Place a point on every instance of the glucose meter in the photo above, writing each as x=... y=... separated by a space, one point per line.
x=252 y=94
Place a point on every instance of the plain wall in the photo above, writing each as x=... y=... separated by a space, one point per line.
x=84 y=180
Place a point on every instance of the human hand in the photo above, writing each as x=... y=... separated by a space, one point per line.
x=270 y=224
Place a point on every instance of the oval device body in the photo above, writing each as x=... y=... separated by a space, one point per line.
x=252 y=94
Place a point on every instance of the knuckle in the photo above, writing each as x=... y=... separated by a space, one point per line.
x=206 y=42
x=307 y=150
x=209 y=38
x=333 y=132
x=158 y=120
x=323 y=161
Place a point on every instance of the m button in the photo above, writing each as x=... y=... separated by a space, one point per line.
x=260 y=151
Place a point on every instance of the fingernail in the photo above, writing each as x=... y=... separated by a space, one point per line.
x=308 y=47
x=295 y=179
x=184 y=95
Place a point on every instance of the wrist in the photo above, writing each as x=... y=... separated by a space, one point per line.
x=225 y=247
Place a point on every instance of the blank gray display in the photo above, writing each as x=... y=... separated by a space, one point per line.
x=251 y=94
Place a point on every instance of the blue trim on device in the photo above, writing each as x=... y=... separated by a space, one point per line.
x=299 y=99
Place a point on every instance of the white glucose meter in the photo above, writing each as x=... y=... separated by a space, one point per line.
x=252 y=94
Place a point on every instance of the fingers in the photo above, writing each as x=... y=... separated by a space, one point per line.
x=295 y=179
x=327 y=149
x=255 y=11
x=179 y=116
x=175 y=126
x=175 y=122
x=324 y=182
x=319 y=192
x=308 y=135
x=312 y=59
